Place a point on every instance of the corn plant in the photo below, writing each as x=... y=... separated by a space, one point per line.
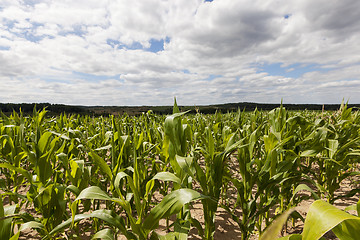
x=108 y=169
x=331 y=151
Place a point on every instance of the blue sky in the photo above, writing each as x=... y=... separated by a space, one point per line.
x=292 y=71
x=123 y=52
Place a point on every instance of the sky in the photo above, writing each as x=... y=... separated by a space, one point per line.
x=146 y=52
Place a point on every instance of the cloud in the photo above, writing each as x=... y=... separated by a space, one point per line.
x=229 y=28
x=122 y=52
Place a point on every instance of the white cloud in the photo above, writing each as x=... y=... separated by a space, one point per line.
x=70 y=51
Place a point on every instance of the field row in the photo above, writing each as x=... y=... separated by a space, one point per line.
x=58 y=171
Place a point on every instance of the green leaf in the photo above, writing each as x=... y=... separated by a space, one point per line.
x=348 y=230
x=75 y=190
x=198 y=226
x=309 y=153
x=106 y=234
x=156 y=236
x=185 y=164
x=171 y=204
x=302 y=187
x=181 y=229
x=118 y=178
x=211 y=144
x=105 y=169
x=22 y=171
x=104 y=147
x=135 y=191
x=175 y=133
x=175 y=108
x=6 y=224
x=2 y=222
x=291 y=237
x=167 y=176
x=15 y=236
x=93 y=192
x=60 y=135
x=273 y=231
x=32 y=224
x=106 y=215
x=323 y=217
x=44 y=141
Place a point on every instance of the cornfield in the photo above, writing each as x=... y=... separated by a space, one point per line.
x=119 y=176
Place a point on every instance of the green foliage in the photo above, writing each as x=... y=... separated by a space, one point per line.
x=125 y=173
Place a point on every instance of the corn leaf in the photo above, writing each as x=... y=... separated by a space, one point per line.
x=171 y=204
x=106 y=234
x=167 y=176
x=106 y=215
x=101 y=164
x=323 y=217
x=273 y=231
